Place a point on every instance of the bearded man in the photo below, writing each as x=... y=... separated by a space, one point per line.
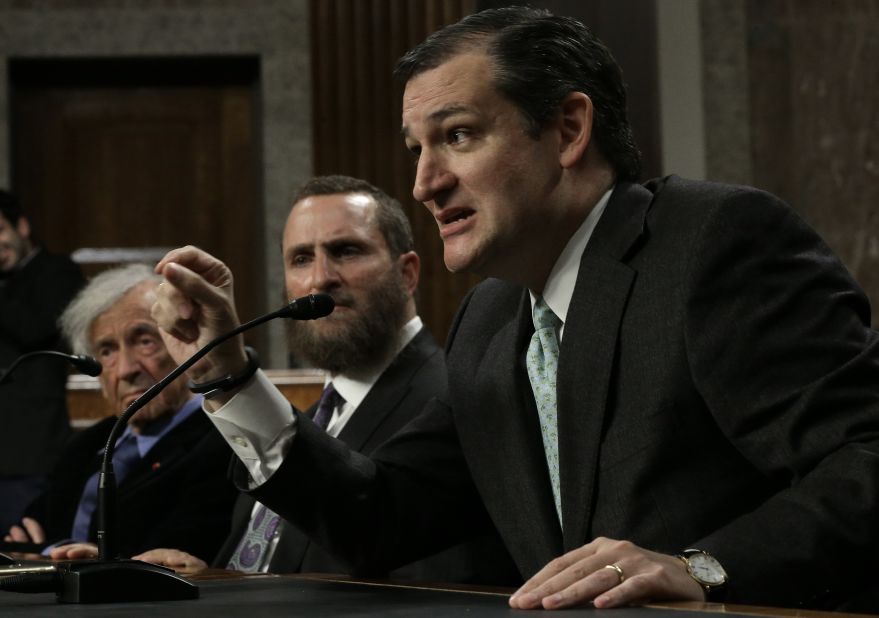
x=349 y=239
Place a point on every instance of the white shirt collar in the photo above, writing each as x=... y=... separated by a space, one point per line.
x=559 y=288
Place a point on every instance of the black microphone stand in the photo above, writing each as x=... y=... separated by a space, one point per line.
x=83 y=364
x=114 y=579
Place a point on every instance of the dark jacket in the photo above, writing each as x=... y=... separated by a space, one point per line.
x=33 y=409
x=178 y=496
x=718 y=388
x=416 y=375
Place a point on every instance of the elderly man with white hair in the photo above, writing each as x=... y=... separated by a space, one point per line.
x=170 y=463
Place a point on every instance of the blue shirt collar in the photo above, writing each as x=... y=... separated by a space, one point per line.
x=152 y=433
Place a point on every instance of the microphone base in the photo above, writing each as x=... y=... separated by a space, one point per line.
x=117 y=581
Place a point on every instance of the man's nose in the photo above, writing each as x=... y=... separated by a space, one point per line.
x=324 y=274
x=128 y=364
x=432 y=177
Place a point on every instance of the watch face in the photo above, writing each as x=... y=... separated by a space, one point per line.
x=706 y=569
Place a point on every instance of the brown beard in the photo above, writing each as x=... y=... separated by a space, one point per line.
x=365 y=337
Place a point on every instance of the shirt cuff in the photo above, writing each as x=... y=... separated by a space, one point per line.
x=258 y=424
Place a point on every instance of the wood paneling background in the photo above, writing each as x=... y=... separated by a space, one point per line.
x=814 y=120
x=355 y=44
x=119 y=155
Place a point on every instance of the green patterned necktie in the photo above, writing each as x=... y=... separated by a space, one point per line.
x=543 y=365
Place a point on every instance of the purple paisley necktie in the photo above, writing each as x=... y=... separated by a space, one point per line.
x=252 y=552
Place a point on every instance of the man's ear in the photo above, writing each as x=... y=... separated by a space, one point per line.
x=575 y=126
x=23 y=227
x=410 y=268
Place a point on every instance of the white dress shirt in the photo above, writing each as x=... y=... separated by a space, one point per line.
x=559 y=288
x=259 y=424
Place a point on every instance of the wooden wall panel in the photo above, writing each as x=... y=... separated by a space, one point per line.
x=814 y=126
x=103 y=160
x=355 y=44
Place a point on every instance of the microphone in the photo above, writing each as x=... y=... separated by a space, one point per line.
x=84 y=364
x=110 y=578
x=87 y=365
x=309 y=307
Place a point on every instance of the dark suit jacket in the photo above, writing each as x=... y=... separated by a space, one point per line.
x=178 y=496
x=417 y=375
x=718 y=389
x=33 y=409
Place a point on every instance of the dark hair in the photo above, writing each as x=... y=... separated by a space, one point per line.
x=9 y=207
x=538 y=59
x=392 y=221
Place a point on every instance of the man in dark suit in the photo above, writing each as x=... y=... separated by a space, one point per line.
x=35 y=286
x=169 y=462
x=668 y=391
x=414 y=376
x=347 y=238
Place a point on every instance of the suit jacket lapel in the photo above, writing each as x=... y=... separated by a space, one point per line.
x=588 y=351
x=382 y=400
x=385 y=394
x=505 y=448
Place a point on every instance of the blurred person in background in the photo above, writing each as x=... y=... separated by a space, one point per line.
x=35 y=286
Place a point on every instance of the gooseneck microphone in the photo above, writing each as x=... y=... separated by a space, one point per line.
x=84 y=364
x=309 y=307
x=114 y=579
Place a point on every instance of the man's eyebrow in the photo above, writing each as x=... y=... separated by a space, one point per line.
x=332 y=244
x=144 y=327
x=344 y=241
x=441 y=114
x=298 y=248
x=103 y=341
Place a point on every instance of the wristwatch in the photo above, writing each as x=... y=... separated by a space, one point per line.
x=707 y=571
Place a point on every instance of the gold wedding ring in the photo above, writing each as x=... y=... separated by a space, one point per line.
x=616 y=567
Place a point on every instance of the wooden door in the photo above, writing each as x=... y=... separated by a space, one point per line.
x=160 y=154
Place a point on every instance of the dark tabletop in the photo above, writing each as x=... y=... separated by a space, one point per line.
x=269 y=596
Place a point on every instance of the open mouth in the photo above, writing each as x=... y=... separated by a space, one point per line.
x=459 y=216
x=448 y=218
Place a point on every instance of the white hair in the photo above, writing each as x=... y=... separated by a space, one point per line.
x=102 y=292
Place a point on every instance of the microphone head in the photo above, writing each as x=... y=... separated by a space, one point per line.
x=87 y=365
x=310 y=307
x=323 y=305
x=84 y=364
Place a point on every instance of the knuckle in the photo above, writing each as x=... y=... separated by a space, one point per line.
x=579 y=571
x=640 y=584
x=624 y=547
x=656 y=570
x=557 y=564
